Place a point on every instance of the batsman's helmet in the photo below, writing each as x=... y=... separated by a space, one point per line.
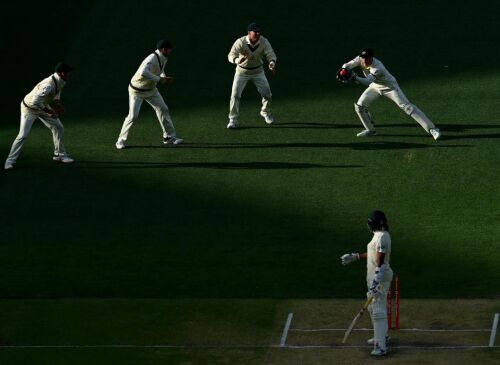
x=377 y=221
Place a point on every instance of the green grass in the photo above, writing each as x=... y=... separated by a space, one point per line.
x=262 y=213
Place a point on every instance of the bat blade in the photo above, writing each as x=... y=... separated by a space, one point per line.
x=356 y=319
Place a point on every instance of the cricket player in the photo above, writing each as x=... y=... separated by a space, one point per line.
x=378 y=277
x=143 y=87
x=248 y=54
x=44 y=103
x=381 y=83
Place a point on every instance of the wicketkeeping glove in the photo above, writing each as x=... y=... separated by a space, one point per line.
x=345 y=75
x=349 y=258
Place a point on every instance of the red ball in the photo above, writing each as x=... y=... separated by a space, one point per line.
x=343 y=72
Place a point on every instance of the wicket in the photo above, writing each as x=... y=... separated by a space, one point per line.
x=389 y=305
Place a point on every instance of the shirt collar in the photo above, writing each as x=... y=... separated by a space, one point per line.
x=162 y=57
x=59 y=80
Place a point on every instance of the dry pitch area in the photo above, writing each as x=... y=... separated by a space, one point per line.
x=239 y=332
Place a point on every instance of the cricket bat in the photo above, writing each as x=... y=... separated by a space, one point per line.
x=356 y=319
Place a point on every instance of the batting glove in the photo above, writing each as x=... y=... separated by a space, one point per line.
x=349 y=258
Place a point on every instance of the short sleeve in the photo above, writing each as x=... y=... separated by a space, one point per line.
x=382 y=244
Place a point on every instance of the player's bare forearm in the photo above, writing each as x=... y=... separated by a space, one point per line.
x=380 y=258
x=363 y=255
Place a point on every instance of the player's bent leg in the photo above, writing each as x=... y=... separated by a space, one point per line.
x=365 y=117
x=239 y=83
x=57 y=129
x=361 y=108
x=135 y=103
x=27 y=120
x=264 y=89
x=163 y=114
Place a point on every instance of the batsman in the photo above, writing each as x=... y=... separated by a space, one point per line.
x=378 y=278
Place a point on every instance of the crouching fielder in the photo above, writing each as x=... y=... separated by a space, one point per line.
x=381 y=83
x=248 y=54
x=44 y=103
x=143 y=88
x=378 y=278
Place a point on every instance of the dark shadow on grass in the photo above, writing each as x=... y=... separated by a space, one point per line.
x=209 y=165
x=300 y=125
x=446 y=137
x=363 y=146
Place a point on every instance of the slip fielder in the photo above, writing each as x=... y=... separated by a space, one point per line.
x=143 y=87
x=44 y=103
x=248 y=54
x=381 y=83
x=378 y=278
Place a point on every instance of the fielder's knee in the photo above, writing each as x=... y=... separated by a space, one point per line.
x=360 y=108
x=408 y=108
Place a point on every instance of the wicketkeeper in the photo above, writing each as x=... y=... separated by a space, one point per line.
x=248 y=54
x=44 y=103
x=143 y=87
x=380 y=83
x=378 y=278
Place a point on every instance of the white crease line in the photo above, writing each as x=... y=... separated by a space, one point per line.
x=293 y=347
x=494 y=328
x=463 y=347
x=400 y=330
x=286 y=329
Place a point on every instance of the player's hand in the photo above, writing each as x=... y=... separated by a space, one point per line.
x=349 y=258
x=59 y=110
x=51 y=113
x=241 y=59
x=272 y=67
x=167 y=80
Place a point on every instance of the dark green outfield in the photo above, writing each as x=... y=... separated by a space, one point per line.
x=262 y=212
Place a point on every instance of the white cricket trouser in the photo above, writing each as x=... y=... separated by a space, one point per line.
x=28 y=117
x=239 y=83
x=378 y=314
x=397 y=96
x=157 y=103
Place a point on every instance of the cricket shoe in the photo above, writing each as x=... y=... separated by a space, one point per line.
x=371 y=341
x=367 y=133
x=268 y=117
x=120 y=144
x=378 y=352
x=232 y=125
x=9 y=166
x=172 y=140
x=63 y=158
x=435 y=133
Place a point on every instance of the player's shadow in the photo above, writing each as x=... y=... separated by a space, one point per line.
x=370 y=146
x=457 y=128
x=301 y=125
x=210 y=165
